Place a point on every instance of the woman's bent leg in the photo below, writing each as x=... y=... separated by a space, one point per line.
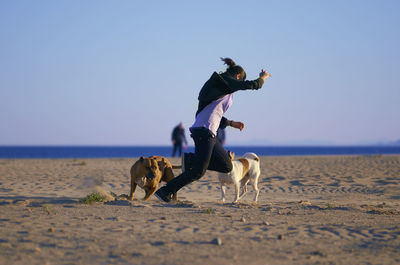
x=204 y=146
x=220 y=160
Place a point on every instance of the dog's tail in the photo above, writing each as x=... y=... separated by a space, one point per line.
x=176 y=167
x=252 y=156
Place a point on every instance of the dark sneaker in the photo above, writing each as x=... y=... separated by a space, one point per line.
x=162 y=195
x=187 y=159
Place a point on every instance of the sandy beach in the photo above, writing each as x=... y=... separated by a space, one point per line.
x=311 y=210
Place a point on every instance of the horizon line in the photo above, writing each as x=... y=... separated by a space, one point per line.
x=192 y=146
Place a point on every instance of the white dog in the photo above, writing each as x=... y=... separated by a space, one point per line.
x=244 y=170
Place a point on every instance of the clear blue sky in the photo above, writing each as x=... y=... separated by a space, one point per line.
x=126 y=72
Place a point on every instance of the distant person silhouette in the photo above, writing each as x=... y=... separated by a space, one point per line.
x=178 y=137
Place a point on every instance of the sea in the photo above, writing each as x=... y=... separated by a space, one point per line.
x=75 y=152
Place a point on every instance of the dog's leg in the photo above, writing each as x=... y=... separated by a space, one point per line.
x=133 y=188
x=237 y=190
x=223 y=190
x=244 y=188
x=255 y=187
x=149 y=192
x=241 y=191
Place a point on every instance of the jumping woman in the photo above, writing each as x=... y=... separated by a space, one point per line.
x=214 y=100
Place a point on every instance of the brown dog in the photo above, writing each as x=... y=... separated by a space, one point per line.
x=147 y=172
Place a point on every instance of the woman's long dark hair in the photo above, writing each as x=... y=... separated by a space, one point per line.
x=234 y=69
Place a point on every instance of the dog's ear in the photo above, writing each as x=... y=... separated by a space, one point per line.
x=231 y=155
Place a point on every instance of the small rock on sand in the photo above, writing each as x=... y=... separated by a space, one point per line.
x=217 y=241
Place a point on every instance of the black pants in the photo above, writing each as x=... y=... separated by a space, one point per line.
x=209 y=154
x=177 y=146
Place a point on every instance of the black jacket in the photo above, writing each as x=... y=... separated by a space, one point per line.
x=220 y=85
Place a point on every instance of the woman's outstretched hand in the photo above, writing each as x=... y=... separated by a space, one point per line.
x=264 y=74
x=238 y=125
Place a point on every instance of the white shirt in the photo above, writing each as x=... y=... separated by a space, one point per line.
x=211 y=115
